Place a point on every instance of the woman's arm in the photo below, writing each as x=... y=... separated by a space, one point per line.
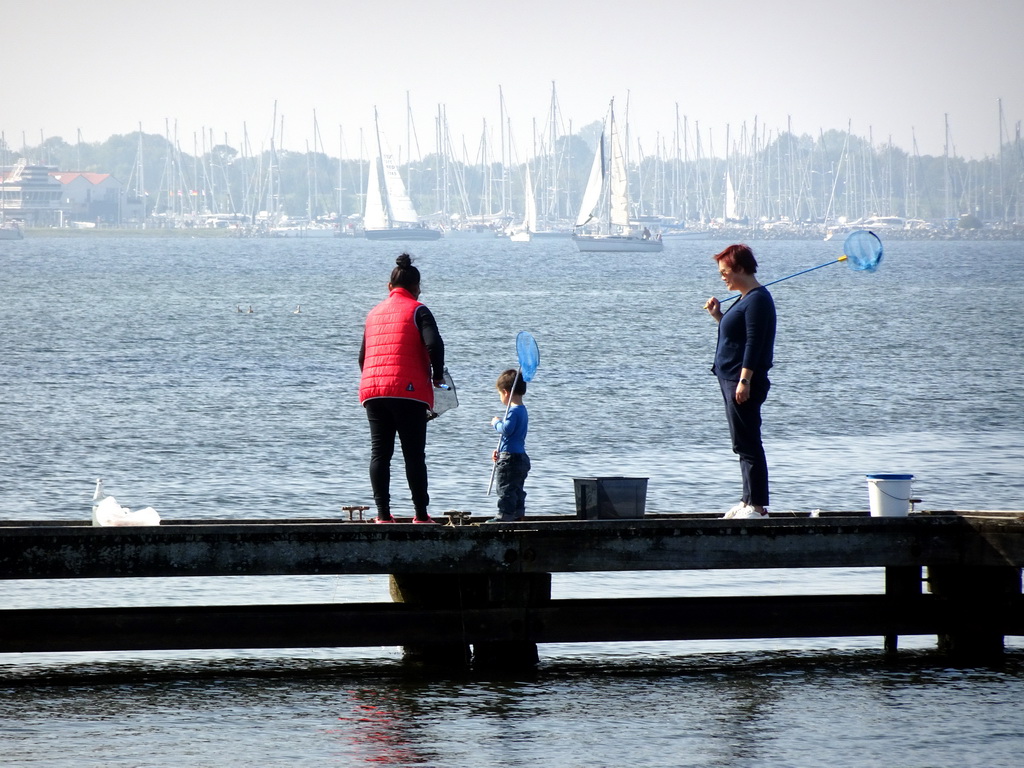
x=432 y=341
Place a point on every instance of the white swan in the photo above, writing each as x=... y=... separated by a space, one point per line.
x=298 y=309
x=106 y=511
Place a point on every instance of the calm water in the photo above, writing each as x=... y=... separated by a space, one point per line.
x=127 y=360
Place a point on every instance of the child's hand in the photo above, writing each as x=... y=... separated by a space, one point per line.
x=494 y=456
x=495 y=420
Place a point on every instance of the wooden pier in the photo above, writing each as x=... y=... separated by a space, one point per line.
x=483 y=592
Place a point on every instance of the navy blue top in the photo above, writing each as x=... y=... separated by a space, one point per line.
x=746 y=336
x=513 y=430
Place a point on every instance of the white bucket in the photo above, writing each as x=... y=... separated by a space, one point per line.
x=889 y=495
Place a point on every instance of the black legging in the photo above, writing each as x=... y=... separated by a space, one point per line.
x=390 y=416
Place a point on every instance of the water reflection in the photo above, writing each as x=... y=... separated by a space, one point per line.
x=797 y=708
x=382 y=728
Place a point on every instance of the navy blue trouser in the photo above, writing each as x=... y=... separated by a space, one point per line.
x=388 y=417
x=745 y=430
x=510 y=478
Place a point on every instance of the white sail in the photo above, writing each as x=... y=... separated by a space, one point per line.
x=592 y=194
x=530 y=219
x=529 y=225
x=395 y=207
x=618 y=182
x=374 y=216
x=400 y=210
x=606 y=198
x=730 y=199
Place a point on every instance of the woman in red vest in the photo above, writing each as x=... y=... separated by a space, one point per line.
x=402 y=360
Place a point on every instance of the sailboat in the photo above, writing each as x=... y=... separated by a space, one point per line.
x=603 y=223
x=389 y=213
x=529 y=226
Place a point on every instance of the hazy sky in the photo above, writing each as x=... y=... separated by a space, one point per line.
x=894 y=68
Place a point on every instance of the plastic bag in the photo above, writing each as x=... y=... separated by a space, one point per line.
x=445 y=397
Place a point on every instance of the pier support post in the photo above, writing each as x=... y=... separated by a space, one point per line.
x=976 y=602
x=432 y=591
x=521 y=592
x=900 y=582
x=506 y=644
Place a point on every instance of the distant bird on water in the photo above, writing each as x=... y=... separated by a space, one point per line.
x=298 y=309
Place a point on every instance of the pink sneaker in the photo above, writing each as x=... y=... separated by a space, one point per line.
x=428 y=521
x=388 y=519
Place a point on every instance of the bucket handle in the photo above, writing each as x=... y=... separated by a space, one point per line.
x=897 y=498
x=882 y=490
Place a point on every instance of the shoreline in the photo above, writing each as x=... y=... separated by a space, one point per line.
x=732 y=234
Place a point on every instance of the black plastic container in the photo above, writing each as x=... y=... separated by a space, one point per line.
x=610 y=498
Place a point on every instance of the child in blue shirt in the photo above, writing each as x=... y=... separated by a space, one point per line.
x=513 y=464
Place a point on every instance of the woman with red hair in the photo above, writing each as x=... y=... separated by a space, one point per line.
x=746 y=341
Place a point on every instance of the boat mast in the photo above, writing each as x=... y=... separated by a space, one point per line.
x=441 y=171
x=485 y=169
x=310 y=173
x=606 y=159
x=949 y=180
x=618 y=183
x=625 y=160
x=728 y=180
x=504 y=151
x=3 y=179
x=362 y=163
x=312 y=187
x=270 y=168
x=341 y=186
x=1002 y=189
x=250 y=194
x=553 y=210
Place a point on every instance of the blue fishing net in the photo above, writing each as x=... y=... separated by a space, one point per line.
x=529 y=355
x=863 y=251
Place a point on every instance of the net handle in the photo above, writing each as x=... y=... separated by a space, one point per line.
x=844 y=257
x=854 y=239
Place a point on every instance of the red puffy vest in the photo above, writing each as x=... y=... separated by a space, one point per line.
x=395 y=363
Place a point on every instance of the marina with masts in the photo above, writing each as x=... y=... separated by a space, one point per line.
x=693 y=181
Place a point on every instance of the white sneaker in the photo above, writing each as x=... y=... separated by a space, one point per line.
x=750 y=512
x=735 y=511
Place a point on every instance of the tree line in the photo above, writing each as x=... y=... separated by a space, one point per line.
x=795 y=178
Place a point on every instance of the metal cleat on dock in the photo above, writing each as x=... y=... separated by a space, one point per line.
x=354 y=509
x=458 y=517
